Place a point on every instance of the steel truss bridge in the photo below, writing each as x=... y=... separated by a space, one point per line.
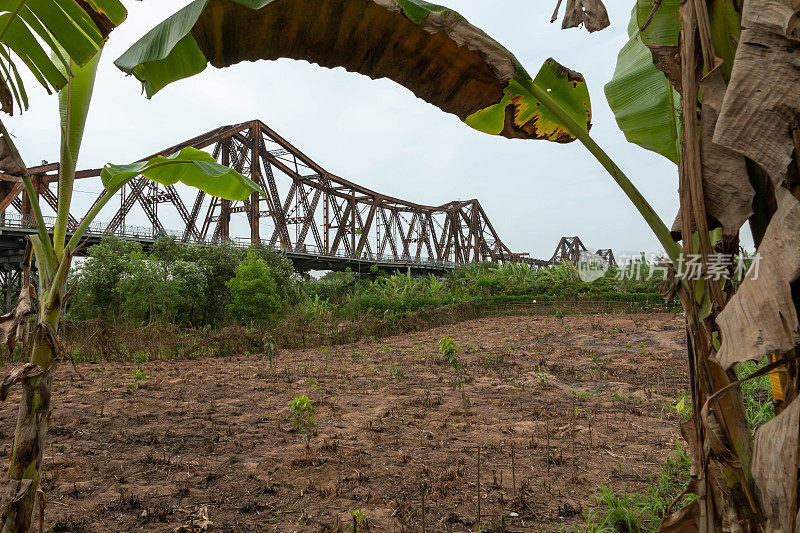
x=317 y=219
x=572 y=250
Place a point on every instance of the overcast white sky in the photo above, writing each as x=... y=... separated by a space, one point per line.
x=378 y=134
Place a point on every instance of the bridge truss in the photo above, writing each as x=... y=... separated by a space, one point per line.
x=318 y=219
x=572 y=250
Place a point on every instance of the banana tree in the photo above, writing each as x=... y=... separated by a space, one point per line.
x=735 y=65
x=75 y=33
x=710 y=84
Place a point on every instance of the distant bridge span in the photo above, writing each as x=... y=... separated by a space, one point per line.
x=317 y=219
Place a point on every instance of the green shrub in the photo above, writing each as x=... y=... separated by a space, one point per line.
x=254 y=292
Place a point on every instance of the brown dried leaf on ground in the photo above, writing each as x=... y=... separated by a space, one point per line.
x=761 y=104
x=775 y=468
x=198 y=521
x=591 y=14
x=761 y=318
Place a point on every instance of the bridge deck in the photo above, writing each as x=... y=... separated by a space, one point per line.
x=15 y=228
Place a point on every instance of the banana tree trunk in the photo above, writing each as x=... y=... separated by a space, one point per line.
x=22 y=491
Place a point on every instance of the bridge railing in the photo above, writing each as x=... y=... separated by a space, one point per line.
x=149 y=233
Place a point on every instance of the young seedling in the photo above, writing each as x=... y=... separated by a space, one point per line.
x=396 y=371
x=359 y=520
x=683 y=408
x=302 y=415
x=138 y=374
x=543 y=381
x=270 y=354
x=448 y=350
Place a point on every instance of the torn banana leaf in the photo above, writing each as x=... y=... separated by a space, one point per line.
x=647 y=109
x=430 y=49
x=660 y=24
x=191 y=167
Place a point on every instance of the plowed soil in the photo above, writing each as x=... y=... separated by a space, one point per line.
x=571 y=403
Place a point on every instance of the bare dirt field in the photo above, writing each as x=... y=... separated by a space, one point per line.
x=579 y=401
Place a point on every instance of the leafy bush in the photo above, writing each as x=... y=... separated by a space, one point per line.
x=254 y=292
x=97 y=277
x=176 y=283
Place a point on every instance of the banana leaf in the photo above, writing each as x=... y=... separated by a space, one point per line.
x=190 y=166
x=661 y=27
x=49 y=37
x=73 y=102
x=645 y=104
x=430 y=49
